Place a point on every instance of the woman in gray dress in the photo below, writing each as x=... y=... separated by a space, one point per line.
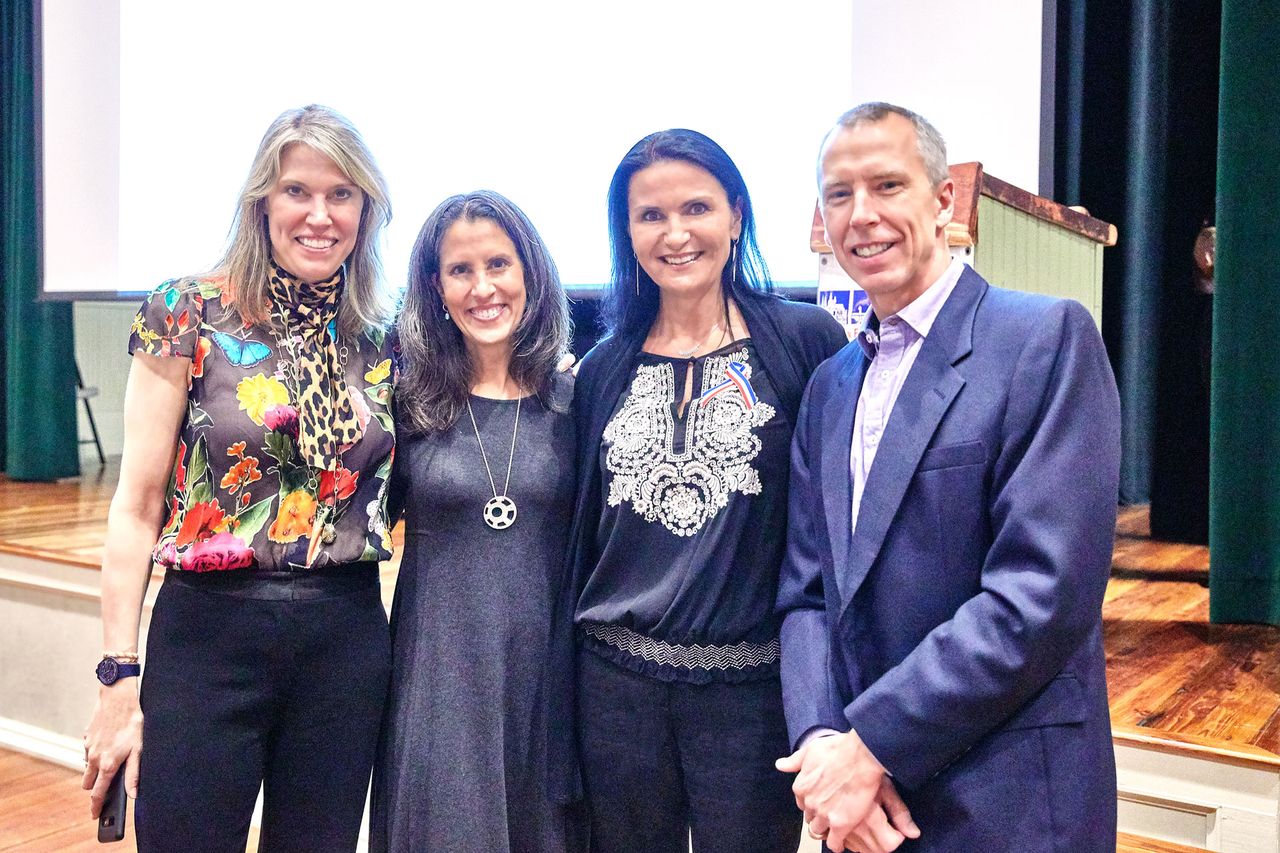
x=485 y=475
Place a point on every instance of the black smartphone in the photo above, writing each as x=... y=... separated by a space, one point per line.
x=111 y=818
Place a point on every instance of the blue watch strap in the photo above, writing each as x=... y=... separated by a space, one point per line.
x=111 y=670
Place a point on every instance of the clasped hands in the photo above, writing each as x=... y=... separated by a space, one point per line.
x=847 y=797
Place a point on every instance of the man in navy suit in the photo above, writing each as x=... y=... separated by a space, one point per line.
x=953 y=494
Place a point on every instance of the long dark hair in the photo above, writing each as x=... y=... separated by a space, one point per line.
x=630 y=307
x=437 y=369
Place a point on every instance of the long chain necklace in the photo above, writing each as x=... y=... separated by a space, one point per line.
x=500 y=510
x=323 y=525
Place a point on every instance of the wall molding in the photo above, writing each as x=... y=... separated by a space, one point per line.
x=42 y=743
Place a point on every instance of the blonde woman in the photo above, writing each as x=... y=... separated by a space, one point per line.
x=258 y=446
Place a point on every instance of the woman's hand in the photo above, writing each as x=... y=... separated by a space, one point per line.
x=155 y=401
x=113 y=741
x=568 y=364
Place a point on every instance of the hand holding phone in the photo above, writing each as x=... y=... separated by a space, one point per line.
x=111 y=818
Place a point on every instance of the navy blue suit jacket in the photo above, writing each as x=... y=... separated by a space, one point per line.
x=958 y=629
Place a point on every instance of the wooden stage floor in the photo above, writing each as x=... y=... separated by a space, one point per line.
x=1171 y=674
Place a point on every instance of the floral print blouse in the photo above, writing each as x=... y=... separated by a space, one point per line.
x=240 y=496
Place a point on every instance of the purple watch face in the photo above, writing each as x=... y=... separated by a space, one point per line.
x=108 y=670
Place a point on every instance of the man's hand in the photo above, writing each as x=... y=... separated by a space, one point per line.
x=846 y=796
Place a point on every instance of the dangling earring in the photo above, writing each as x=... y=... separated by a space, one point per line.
x=446 y=313
x=637 y=260
x=733 y=262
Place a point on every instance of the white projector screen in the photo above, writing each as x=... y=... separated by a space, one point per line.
x=974 y=68
x=151 y=112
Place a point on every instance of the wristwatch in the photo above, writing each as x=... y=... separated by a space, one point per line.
x=110 y=670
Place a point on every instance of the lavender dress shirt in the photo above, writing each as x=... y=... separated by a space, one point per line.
x=899 y=340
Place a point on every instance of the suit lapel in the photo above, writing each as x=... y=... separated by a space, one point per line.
x=837 y=433
x=928 y=392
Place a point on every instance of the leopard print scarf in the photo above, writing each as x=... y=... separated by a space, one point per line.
x=326 y=420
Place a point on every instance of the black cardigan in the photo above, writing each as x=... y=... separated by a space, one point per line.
x=792 y=338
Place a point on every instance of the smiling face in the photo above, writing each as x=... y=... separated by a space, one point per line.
x=885 y=221
x=681 y=225
x=313 y=214
x=482 y=284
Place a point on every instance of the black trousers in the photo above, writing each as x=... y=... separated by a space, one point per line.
x=667 y=763
x=273 y=680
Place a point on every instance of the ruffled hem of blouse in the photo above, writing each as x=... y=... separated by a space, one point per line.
x=669 y=673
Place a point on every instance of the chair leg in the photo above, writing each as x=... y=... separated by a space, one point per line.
x=93 y=426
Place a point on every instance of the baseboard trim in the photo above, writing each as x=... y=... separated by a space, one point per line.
x=42 y=743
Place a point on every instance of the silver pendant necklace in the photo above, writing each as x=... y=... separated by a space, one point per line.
x=689 y=353
x=500 y=510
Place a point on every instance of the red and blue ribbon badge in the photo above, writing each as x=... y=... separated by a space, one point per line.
x=735 y=377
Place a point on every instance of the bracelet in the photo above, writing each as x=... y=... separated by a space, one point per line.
x=122 y=657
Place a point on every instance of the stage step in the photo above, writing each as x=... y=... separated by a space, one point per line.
x=1126 y=843
x=1214 y=795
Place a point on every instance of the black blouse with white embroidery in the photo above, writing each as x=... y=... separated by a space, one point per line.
x=693 y=521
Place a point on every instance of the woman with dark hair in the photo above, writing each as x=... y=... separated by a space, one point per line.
x=485 y=473
x=256 y=458
x=684 y=418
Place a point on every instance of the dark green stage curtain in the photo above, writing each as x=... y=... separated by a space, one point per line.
x=1180 y=455
x=39 y=439
x=1135 y=128
x=1244 y=528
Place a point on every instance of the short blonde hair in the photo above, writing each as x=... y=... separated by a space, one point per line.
x=367 y=303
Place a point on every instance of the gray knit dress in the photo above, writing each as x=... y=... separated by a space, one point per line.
x=462 y=761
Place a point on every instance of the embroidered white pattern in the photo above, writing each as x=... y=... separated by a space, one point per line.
x=684 y=490
x=742 y=655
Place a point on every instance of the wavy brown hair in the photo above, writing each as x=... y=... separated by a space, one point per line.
x=437 y=372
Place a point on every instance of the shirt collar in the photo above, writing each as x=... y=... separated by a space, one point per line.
x=919 y=314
